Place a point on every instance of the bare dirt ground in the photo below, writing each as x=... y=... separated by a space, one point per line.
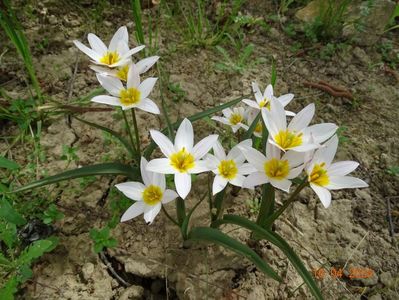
x=352 y=233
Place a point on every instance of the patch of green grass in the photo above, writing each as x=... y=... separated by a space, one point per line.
x=394 y=170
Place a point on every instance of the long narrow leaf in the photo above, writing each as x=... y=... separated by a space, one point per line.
x=100 y=169
x=280 y=243
x=215 y=236
x=113 y=133
x=252 y=127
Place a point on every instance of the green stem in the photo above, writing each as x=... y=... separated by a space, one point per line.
x=181 y=210
x=129 y=130
x=267 y=205
x=136 y=131
x=219 y=205
x=169 y=216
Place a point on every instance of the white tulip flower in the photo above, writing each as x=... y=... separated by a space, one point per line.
x=121 y=72
x=265 y=100
x=229 y=168
x=233 y=117
x=116 y=54
x=149 y=196
x=323 y=175
x=133 y=96
x=297 y=136
x=182 y=158
x=272 y=168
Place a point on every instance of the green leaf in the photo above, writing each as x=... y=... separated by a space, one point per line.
x=113 y=133
x=198 y=116
x=8 y=164
x=102 y=239
x=215 y=236
x=8 y=233
x=280 y=243
x=34 y=251
x=252 y=127
x=8 y=213
x=9 y=289
x=3 y=260
x=25 y=272
x=99 y=169
x=274 y=73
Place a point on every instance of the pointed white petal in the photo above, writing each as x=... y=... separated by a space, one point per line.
x=255 y=179
x=323 y=194
x=133 y=78
x=145 y=175
x=342 y=168
x=219 y=151
x=272 y=151
x=257 y=92
x=169 y=195
x=145 y=64
x=269 y=92
x=222 y=120
x=345 y=182
x=304 y=148
x=283 y=184
x=271 y=126
x=238 y=180
x=295 y=172
x=294 y=158
x=183 y=184
x=111 y=84
x=163 y=142
x=285 y=99
x=290 y=113
x=321 y=132
x=254 y=157
x=251 y=103
x=149 y=106
x=184 y=136
x=277 y=114
x=106 y=100
x=212 y=162
x=86 y=50
x=246 y=169
x=199 y=167
x=227 y=112
x=121 y=35
x=161 y=165
x=302 y=119
x=203 y=146
x=146 y=86
x=133 y=211
x=96 y=44
x=150 y=212
x=219 y=183
x=158 y=179
x=236 y=154
x=103 y=70
x=327 y=152
x=132 y=190
x=132 y=51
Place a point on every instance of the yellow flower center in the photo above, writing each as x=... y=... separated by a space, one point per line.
x=277 y=169
x=287 y=139
x=228 y=169
x=182 y=161
x=122 y=73
x=265 y=102
x=319 y=175
x=235 y=119
x=152 y=195
x=259 y=127
x=110 y=58
x=129 y=96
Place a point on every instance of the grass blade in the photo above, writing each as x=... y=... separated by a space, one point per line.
x=252 y=127
x=216 y=236
x=99 y=169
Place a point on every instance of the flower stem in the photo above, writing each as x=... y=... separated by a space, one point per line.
x=169 y=216
x=267 y=205
x=129 y=130
x=219 y=205
x=136 y=131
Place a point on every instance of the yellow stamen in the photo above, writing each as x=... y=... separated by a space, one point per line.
x=277 y=169
x=319 y=175
x=265 y=102
x=287 y=139
x=228 y=169
x=130 y=96
x=152 y=195
x=259 y=127
x=122 y=73
x=110 y=58
x=182 y=161
x=235 y=119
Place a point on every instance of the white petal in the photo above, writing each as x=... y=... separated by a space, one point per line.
x=199 y=167
x=203 y=146
x=283 y=184
x=145 y=64
x=86 y=50
x=150 y=212
x=163 y=142
x=96 y=44
x=327 y=152
x=251 y=103
x=323 y=194
x=271 y=126
x=246 y=169
x=158 y=179
x=304 y=148
x=161 y=165
x=110 y=100
x=120 y=35
x=257 y=92
x=254 y=157
x=294 y=158
x=221 y=120
x=146 y=86
x=219 y=183
x=272 y=151
x=132 y=51
x=149 y=106
x=236 y=154
x=238 y=180
x=255 y=179
x=103 y=70
x=345 y=182
x=285 y=99
x=277 y=114
x=111 y=84
x=302 y=119
x=169 y=195
x=133 y=79
x=342 y=168
x=268 y=92
x=132 y=190
x=321 y=132
x=295 y=172
x=145 y=175
x=290 y=113
x=219 y=151
x=183 y=184
x=133 y=211
x=184 y=136
x=212 y=162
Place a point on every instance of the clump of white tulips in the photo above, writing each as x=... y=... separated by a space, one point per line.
x=275 y=149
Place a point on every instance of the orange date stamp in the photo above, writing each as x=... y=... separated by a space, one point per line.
x=354 y=273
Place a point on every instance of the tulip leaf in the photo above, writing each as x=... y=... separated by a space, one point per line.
x=252 y=127
x=92 y=170
x=277 y=240
x=113 y=133
x=216 y=236
x=198 y=116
